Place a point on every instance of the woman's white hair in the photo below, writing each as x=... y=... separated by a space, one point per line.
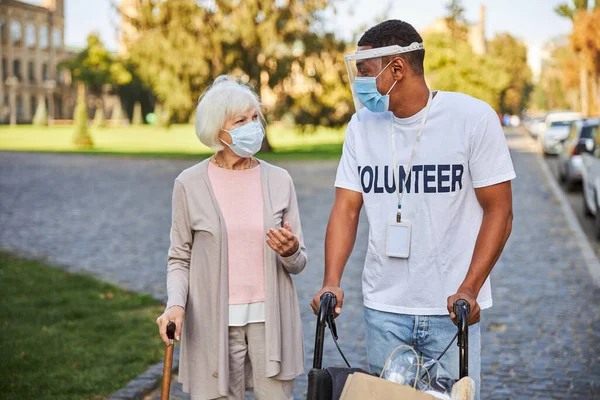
x=223 y=100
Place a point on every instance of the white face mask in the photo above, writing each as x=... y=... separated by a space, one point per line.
x=247 y=139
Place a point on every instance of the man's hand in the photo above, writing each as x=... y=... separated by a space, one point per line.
x=339 y=295
x=468 y=295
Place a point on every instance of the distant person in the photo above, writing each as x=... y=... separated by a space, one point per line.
x=432 y=171
x=235 y=240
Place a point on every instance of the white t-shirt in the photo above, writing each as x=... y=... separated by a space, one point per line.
x=462 y=148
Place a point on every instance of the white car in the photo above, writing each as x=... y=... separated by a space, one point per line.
x=556 y=130
x=570 y=159
x=590 y=173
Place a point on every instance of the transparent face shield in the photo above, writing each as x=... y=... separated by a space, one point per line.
x=369 y=63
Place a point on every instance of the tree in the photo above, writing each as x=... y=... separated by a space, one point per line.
x=455 y=19
x=574 y=13
x=82 y=138
x=559 y=78
x=134 y=92
x=452 y=65
x=279 y=48
x=96 y=67
x=98 y=70
x=567 y=11
x=585 y=41
x=511 y=55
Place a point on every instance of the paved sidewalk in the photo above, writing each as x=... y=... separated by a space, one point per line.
x=110 y=217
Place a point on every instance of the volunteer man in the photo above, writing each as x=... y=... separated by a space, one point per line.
x=433 y=172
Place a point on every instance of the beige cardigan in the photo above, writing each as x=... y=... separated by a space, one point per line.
x=197 y=279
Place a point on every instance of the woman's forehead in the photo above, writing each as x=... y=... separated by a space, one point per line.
x=248 y=111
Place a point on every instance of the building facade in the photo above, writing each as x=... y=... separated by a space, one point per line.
x=32 y=46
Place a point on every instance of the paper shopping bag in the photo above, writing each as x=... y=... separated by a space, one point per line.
x=367 y=387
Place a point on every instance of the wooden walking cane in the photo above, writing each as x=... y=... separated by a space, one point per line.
x=166 y=381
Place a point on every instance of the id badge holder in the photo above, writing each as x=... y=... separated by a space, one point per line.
x=398 y=239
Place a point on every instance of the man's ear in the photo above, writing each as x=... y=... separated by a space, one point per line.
x=399 y=68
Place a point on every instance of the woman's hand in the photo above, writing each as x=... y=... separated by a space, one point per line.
x=175 y=314
x=283 y=241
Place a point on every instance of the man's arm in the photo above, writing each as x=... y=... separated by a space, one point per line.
x=339 y=242
x=496 y=202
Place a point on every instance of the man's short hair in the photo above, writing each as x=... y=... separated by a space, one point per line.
x=395 y=31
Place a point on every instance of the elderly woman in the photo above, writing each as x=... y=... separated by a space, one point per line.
x=235 y=240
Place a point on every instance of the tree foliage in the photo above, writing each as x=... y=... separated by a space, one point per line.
x=570 y=11
x=278 y=47
x=585 y=42
x=452 y=65
x=455 y=19
x=136 y=91
x=559 y=78
x=510 y=54
x=96 y=67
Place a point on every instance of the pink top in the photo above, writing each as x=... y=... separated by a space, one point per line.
x=240 y=197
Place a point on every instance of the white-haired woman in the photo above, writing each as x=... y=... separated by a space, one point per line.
x=235 y=240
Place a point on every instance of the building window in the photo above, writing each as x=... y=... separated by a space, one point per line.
x=44 y=72
x=3 y=30
x=57 y=38
x=15 y=32
x=58 y=107
x=59 y=76
x=31 y=71
x=4 y=69
x=20 y=110
x=17 y=69
x=30 y=35
x=33 y=105
x=44 y=37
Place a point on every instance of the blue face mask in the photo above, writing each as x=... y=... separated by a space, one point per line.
x=365 y=88
x=247 y=139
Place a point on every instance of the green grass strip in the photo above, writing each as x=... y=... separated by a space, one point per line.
x=70 y=336
x=178 y=142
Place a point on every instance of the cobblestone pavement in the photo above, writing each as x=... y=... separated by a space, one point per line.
x=110 y=217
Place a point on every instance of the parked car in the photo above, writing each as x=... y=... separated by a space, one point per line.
x=580 y=140
x=535 y=126
x=590 y=174
x=556 y=130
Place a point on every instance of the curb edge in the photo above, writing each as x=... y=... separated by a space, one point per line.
x=589 y=256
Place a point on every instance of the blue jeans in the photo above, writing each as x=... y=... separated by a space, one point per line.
x=428 y=335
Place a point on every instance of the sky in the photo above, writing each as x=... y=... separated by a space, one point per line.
x=533 y=21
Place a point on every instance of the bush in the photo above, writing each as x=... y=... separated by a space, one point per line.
x=137 y=114
x=82 y=136
x=117 y=114
x=99 y=119
x=41 y=116
x=163 y=116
